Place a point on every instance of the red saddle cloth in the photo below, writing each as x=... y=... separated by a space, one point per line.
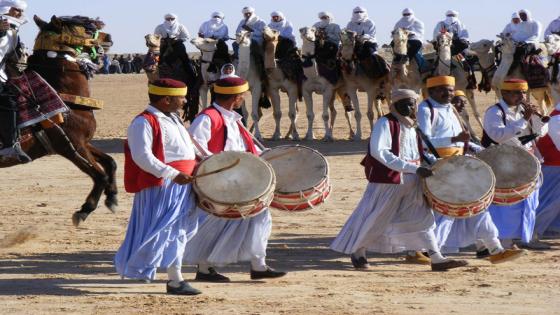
x=36 y=99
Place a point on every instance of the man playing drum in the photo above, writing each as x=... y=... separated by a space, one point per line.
x=159 y=161
x=221 y=241
x=393 y=215
x=438 y=119
x=511 y=121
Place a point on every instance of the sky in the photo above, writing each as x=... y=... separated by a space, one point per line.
x=129 y=20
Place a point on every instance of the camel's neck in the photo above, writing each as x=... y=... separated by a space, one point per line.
x=486 y=60
x=399 y=46
x=244 y=62
x=347 y=52
x=444 y=60
x=269 y=57
x=309 y=62
x=308 y=48
x=505 y=64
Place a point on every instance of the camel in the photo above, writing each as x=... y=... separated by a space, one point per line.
x=552 y=44
x=151 y=62
x=542 y=95
x=447 y=66
x=356 y=81
x=315 y=83
x=277 y=82
x=405 y=75
x=207 y=47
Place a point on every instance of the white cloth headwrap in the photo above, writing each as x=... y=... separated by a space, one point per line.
x=218 y=14
x=408 y=11
x=359 y=17
x=248 y=10
x=451 y=19
x=515 y=15
x=231 y=75
x=171 y=27
x=329 y=18
x=277 y=13
x=527 y=12
x=18 y=4
x=401 y=94
x=452 y=12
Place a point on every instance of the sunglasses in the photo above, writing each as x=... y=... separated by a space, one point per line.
x=170 y=19
x=358 y=11
x=324 y=18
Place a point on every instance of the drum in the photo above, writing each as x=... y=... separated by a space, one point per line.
x=239 y=192
x=517 y=172
x=461 y=187
x=302 y=176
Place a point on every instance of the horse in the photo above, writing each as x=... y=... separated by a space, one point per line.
x=72 y=138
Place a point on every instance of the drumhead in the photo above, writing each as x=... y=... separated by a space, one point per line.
x=512 y=165
x=460 y=179
x=249 y=180
x=297 y=167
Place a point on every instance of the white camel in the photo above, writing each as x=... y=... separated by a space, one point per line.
x=447 y=66
x=207 y=47
x=153 y=44
x=315 y=83
x=542 y=95
x=247 y=69
x=552 y=44
x=354 y=82
x=278 y=82
x=404 y=75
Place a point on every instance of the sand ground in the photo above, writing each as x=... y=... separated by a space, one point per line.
x=47 y=266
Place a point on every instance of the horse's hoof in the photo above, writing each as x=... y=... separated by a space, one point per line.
x=112 y=203
x=79 y=217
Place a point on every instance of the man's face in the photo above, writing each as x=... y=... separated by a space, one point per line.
x=405 y=107
x=516 y=21
x=228 y=70
x=175 y=103
x=15 y=12
x=523 y=16
x=276 y=18
x=514 y=98
x=442 y=94
x=239 y=99
x=247 y=15
x=459 y=102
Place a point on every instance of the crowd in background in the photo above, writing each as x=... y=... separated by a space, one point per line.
x=125 y=63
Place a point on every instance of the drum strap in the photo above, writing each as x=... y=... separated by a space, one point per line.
x=428 y=143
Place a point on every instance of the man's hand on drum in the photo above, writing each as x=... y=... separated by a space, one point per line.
x=183 y=179
x=424 y=172
x=464 y=136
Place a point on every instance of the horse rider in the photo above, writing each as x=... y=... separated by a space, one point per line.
x=11 y=19
x=284 y=27
x=415 y=29
x=453 y=25
x=364 y=28
x=330 y=31
x=525 y=32
x=553 y=28
x=216 y=29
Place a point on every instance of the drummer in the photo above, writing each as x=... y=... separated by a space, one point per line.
x=393 y=215
x=511 y=122
x=220 y=241
x=442 y=126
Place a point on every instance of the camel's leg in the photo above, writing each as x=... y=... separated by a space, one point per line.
x=357 y=114
x=255 y=111
x=345 y=99
x=308 y=99
x=371 y=98
x=328 y=104
x=293 y=112
x=276 y=111
x=474 y=106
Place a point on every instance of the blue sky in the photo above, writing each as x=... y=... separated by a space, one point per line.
x=128 y=21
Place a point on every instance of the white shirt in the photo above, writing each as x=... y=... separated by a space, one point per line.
x=211 y=29
x=524 y=32
x=202 y=125
x=414 y=26
x=284 y=28
x=332 y=31
x=365 y=29
x=554 y=128
x=445 y=124
x=7 y=45
x=177 y=144
x=380 y=145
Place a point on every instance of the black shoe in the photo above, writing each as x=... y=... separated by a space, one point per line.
x=359 y=263
x=211 y=276
x=183 y=289
x=449 y=264
x=485 y=253
x=268 y=273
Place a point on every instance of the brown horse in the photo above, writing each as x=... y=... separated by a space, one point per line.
x=71 y=139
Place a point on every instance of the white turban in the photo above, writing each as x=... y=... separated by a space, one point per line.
x=515 y=15
x=217 y=14
x=248 y=10
x=327 y=14
x=407 y=11
x=451 y=12
x=401 y=94
x=277 y=13
x=358 y=17
x=170 y=15
x=19 y=4
x=359 y=9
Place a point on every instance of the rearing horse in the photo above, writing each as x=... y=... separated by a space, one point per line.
x=72 y=138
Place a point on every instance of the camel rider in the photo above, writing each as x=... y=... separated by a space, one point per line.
x=330 y=32
x=11 y=18
x=251 y=23
x=553 y=28
x=364 y=28
x=415 y=29
x=216 y=29
x=172 y=29
x=525 y=32
x=453 y=25
x=279 y=23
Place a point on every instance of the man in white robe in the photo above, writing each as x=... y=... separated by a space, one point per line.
x=453 y=25
x=415 y=29
x=171 y=28
x=214 y=28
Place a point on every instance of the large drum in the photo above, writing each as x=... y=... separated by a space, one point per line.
x=517 y=172
x=461 y=187
x=239 y=192
x=302 y=176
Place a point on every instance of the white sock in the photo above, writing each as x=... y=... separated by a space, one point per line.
x=258 y=263
x=480 y=245
x=361 y=252
x=203 y=268
x=437 y=257
x=494 y=246
x=174 y=274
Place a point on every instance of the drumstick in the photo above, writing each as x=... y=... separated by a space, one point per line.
x=255 y=140
x=225 y=168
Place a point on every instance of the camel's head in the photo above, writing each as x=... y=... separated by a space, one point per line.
x=152 y=40
x=506 y=43
x=308 y=34
x=205 y=44
x=243 y=38
x=270 y=35
x=444 y=39
x=482 y=47
x=400 y=38
x=348 y=37
x=552 y=44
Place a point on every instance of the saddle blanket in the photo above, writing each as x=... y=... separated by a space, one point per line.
x=36 y=99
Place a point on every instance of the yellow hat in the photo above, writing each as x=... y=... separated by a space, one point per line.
x=515 y=85
x=460 y=93
x=232 y=85
x=439 y=81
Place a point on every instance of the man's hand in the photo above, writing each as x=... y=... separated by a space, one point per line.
x=529 y=111
x=464 y=136
x=424 y=172
x=4 y=25
x=183 y=179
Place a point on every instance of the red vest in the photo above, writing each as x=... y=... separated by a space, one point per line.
x=135 y=178
x=548 y=149
x=218 y=132
x=377 y=172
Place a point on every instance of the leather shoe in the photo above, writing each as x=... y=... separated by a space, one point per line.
x=507 y=255
x=449 y=264
x=268 y=273
x=485 y=253
x=418 y=258
x=183 y=289
x=211 y=276
x=359 y=263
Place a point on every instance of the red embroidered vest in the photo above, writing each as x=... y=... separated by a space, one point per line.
x=377 y=172
x=218 y=132
x=135 y=178
x=548 y=149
